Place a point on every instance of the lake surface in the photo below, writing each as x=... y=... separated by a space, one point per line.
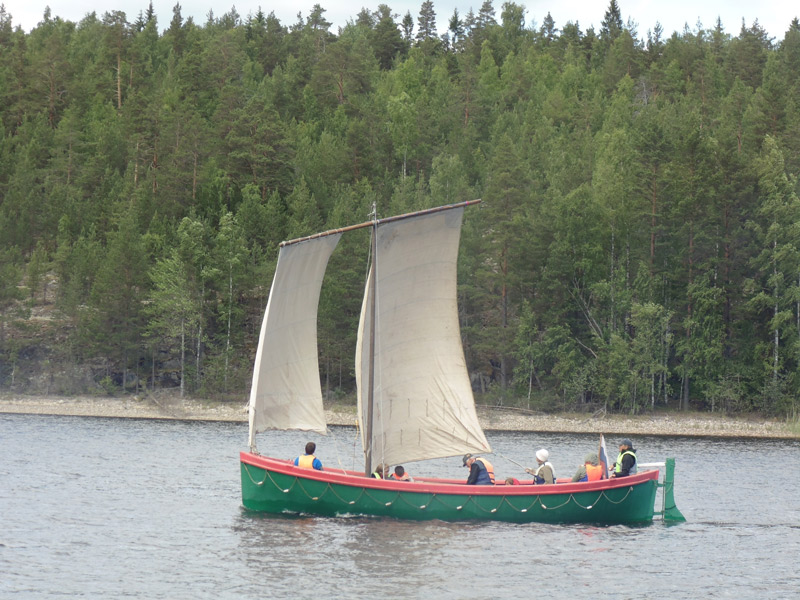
x=118 y=508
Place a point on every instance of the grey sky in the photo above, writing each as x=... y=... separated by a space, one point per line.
x=773 y=15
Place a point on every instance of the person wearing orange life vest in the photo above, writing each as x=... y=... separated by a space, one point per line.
x=590 y=470
x=400 y=474
x=308 y=460
x=481 y=471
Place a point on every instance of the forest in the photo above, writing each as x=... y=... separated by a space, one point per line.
x=637 y=247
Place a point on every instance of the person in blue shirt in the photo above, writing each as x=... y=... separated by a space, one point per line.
x=481 y=471
x=308 y=460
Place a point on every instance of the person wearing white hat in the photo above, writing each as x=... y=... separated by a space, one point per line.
x=545 y=473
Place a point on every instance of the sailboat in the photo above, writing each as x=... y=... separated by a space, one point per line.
x=415 y=399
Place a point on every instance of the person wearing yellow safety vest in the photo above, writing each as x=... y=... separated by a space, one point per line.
x=308 y=460
x=590 y=470
x=380 y=472
x=481 y=471
x=626 y=460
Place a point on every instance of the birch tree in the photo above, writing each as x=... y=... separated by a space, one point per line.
x=173 y=313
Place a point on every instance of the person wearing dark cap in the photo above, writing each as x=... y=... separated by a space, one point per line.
x=481 y=471
x=626 y=460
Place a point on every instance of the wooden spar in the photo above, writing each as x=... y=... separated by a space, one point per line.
x=371 y=390
x=376 y=223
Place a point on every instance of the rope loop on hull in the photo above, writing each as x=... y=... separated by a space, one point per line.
x=404 y=497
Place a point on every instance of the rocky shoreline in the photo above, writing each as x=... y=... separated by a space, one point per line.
x=492 y=419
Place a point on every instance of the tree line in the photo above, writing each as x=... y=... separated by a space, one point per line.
x=637 y=248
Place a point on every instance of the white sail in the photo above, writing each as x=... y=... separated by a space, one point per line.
x=423 y=405
x=286 y=391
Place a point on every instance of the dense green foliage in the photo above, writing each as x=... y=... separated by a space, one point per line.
x=638 y=245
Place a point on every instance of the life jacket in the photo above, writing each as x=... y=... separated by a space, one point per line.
x=405 y=477
x=594 y=472
x=488 y=469
x=306 y=461
x=376 y=475
x=538 y=479
x=618 y=467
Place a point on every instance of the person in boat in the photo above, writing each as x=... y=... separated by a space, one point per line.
x=308 y=460
x=512 y=481
x=380 y=472
x=544 y=473
x=590 y=470
x=481 y=471
x=626 y=460
x=400 y=474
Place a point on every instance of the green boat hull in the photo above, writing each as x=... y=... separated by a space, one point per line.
x=275 y=486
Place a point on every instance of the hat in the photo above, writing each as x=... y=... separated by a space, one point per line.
x=542 y=455
x=466 y=458
x=591 y=459
x=626 y=442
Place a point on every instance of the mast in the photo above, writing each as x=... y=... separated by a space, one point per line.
x=368 y=352
x=371 y=392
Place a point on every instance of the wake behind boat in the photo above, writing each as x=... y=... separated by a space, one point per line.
x=414 y=395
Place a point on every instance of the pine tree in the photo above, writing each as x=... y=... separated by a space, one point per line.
x=611 y=26
x=112 y=324
x=778 y=263
x=387 y=41
x=456 y=29
x=548 y=29
x=10 y=293
x=408 y=28
x=505 y=214
x=426 y=22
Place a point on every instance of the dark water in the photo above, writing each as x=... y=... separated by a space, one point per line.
x=112 y=508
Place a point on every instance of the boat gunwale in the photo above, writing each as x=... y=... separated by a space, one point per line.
x=441 y=486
